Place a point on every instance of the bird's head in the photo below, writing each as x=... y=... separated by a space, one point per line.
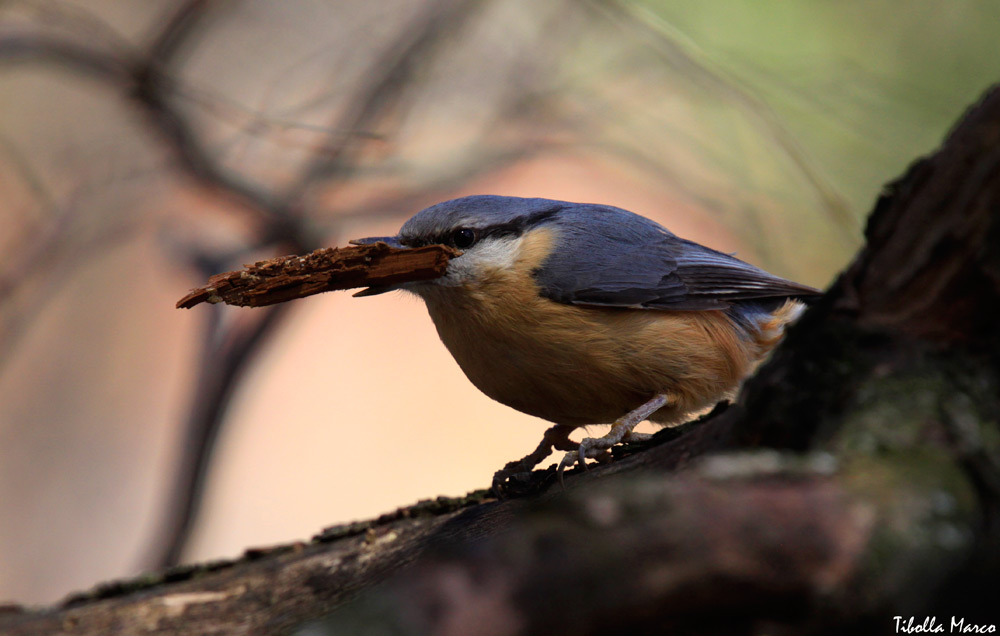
x=487 y=229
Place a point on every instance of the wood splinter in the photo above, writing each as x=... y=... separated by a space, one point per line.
x=285 y=278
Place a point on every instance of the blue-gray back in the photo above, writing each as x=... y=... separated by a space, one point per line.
x=611 y=257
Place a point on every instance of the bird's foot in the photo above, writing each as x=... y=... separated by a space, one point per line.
x=556 y=437
x=599 y=448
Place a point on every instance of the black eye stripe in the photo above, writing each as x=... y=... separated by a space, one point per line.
x=512 y=228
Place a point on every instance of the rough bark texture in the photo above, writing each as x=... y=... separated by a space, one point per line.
x=855 y=480
x=327 y=269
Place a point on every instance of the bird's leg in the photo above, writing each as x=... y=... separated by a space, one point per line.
x=594 y=447
x=556 y=438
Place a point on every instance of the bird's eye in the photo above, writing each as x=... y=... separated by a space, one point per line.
x=463 y=238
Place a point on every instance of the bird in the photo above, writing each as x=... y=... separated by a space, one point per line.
x=584 y=314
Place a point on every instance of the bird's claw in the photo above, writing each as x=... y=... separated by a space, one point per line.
x=556 y=437
x=598 y=448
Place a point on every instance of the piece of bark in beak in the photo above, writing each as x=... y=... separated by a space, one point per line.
x=289 y=277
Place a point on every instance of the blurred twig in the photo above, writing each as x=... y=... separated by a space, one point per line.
x=29 y=176
x=227 y=348
x=43 y=266
x=392 y=76
x=226 y=352
x=680 y=52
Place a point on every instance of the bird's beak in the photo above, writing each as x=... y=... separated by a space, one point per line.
x=391 y=241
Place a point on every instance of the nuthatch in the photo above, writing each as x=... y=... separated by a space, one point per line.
x=589 y=314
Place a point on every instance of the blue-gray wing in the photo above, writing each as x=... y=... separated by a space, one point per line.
x=607 y=256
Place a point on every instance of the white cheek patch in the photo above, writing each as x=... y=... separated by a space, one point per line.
x=490 y=254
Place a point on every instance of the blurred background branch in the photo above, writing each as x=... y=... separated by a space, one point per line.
x=145 y=146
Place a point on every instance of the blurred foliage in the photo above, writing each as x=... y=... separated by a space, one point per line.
x=864 y=85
